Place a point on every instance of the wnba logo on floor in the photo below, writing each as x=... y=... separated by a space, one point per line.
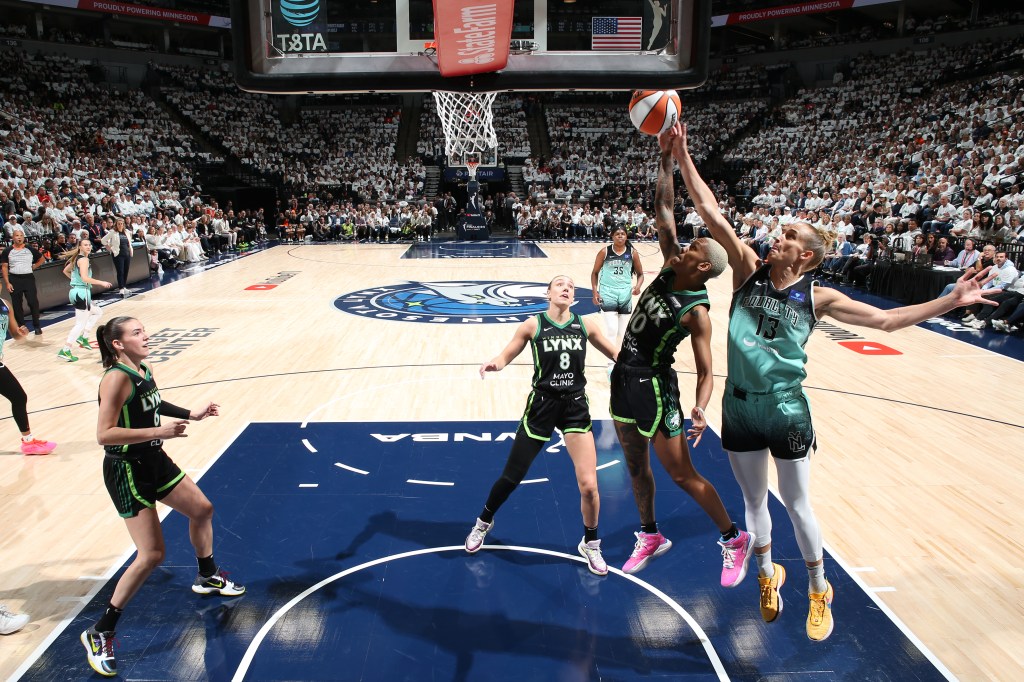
x=455 y=302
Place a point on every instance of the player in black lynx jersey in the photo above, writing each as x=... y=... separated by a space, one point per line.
x=558 y=339
x=645 y=396
x=137 y=473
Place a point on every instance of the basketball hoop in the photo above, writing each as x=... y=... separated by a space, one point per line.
x=468 y=124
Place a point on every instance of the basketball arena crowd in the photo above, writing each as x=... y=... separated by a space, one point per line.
x=915 y=158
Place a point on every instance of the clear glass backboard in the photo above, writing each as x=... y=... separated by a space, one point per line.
x=303 y=46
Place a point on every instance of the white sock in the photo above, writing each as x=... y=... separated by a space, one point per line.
x=765 y=568
x=26 y=438
x=816 y=579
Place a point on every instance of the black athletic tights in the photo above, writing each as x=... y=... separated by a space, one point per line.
x=12 y=390
x=524 y=451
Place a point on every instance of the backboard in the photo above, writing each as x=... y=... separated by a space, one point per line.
x=310 y=46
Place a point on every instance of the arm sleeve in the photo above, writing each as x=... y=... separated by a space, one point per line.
x=173 y=411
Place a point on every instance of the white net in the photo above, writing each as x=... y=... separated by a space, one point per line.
x=468 y=124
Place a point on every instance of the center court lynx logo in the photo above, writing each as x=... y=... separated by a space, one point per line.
x=470 y=302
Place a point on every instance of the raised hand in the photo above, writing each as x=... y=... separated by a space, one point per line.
x=968 y=289
x=667 y=139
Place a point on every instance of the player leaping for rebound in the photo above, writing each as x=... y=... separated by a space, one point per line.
x=645 y=394
x=765 y=414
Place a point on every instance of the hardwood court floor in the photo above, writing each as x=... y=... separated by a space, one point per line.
x=916 y=478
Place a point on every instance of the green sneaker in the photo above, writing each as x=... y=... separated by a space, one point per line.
x=65 y=354
x=84 y=343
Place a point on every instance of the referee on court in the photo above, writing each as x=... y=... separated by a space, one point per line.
x=17 y=263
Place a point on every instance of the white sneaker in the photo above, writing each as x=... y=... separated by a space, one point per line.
x=11 y=622
x=968 y=318
x=999 y=325
x=977 y=324
x=124 y=293
x=475 y=539
x=591 y=551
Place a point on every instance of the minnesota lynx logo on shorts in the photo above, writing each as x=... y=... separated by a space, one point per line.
x=456 y=302
x=672 y=420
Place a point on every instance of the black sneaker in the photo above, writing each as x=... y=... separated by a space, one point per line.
x=217 y=583
x=99 y=651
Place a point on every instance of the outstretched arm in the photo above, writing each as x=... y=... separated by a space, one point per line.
x=524 y=332
x=664 y=197
x=600 y=341
x=742 y=259
x=844 y=309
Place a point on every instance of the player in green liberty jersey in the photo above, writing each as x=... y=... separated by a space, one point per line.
x=612 y=283
x=87 y=314
x=765 y=414
x=645 y=401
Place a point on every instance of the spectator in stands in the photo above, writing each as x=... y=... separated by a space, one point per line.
x=967 y=257
x=965 y=225
x=226 y=237
x=1001 y=232
x=1006 y=275
x=1009 y=315
x=862 y=255
x=878 y=252
x=1015 y=230
x=119 y=242
x=943 y=252
x=919 y=250
x=942 y=217
x=838 y=255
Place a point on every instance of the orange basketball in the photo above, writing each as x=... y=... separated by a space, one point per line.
x=654 y=111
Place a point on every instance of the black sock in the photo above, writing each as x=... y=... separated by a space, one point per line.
x=524 y=451
x=207 y=566
x=649 y=528
x=589 y=534
x=108 y=621
x=731 y=534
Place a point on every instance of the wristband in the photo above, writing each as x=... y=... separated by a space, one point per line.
x=701 y=410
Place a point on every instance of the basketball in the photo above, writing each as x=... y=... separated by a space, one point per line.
x=654 y=111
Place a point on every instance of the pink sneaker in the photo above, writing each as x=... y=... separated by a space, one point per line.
x=648 y=546
x=37 y=447
x=735 y=555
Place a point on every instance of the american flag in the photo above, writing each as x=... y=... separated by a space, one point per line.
x=616 y=33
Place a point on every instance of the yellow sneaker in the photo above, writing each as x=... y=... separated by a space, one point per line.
x=819 y=617
x=771 y=600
